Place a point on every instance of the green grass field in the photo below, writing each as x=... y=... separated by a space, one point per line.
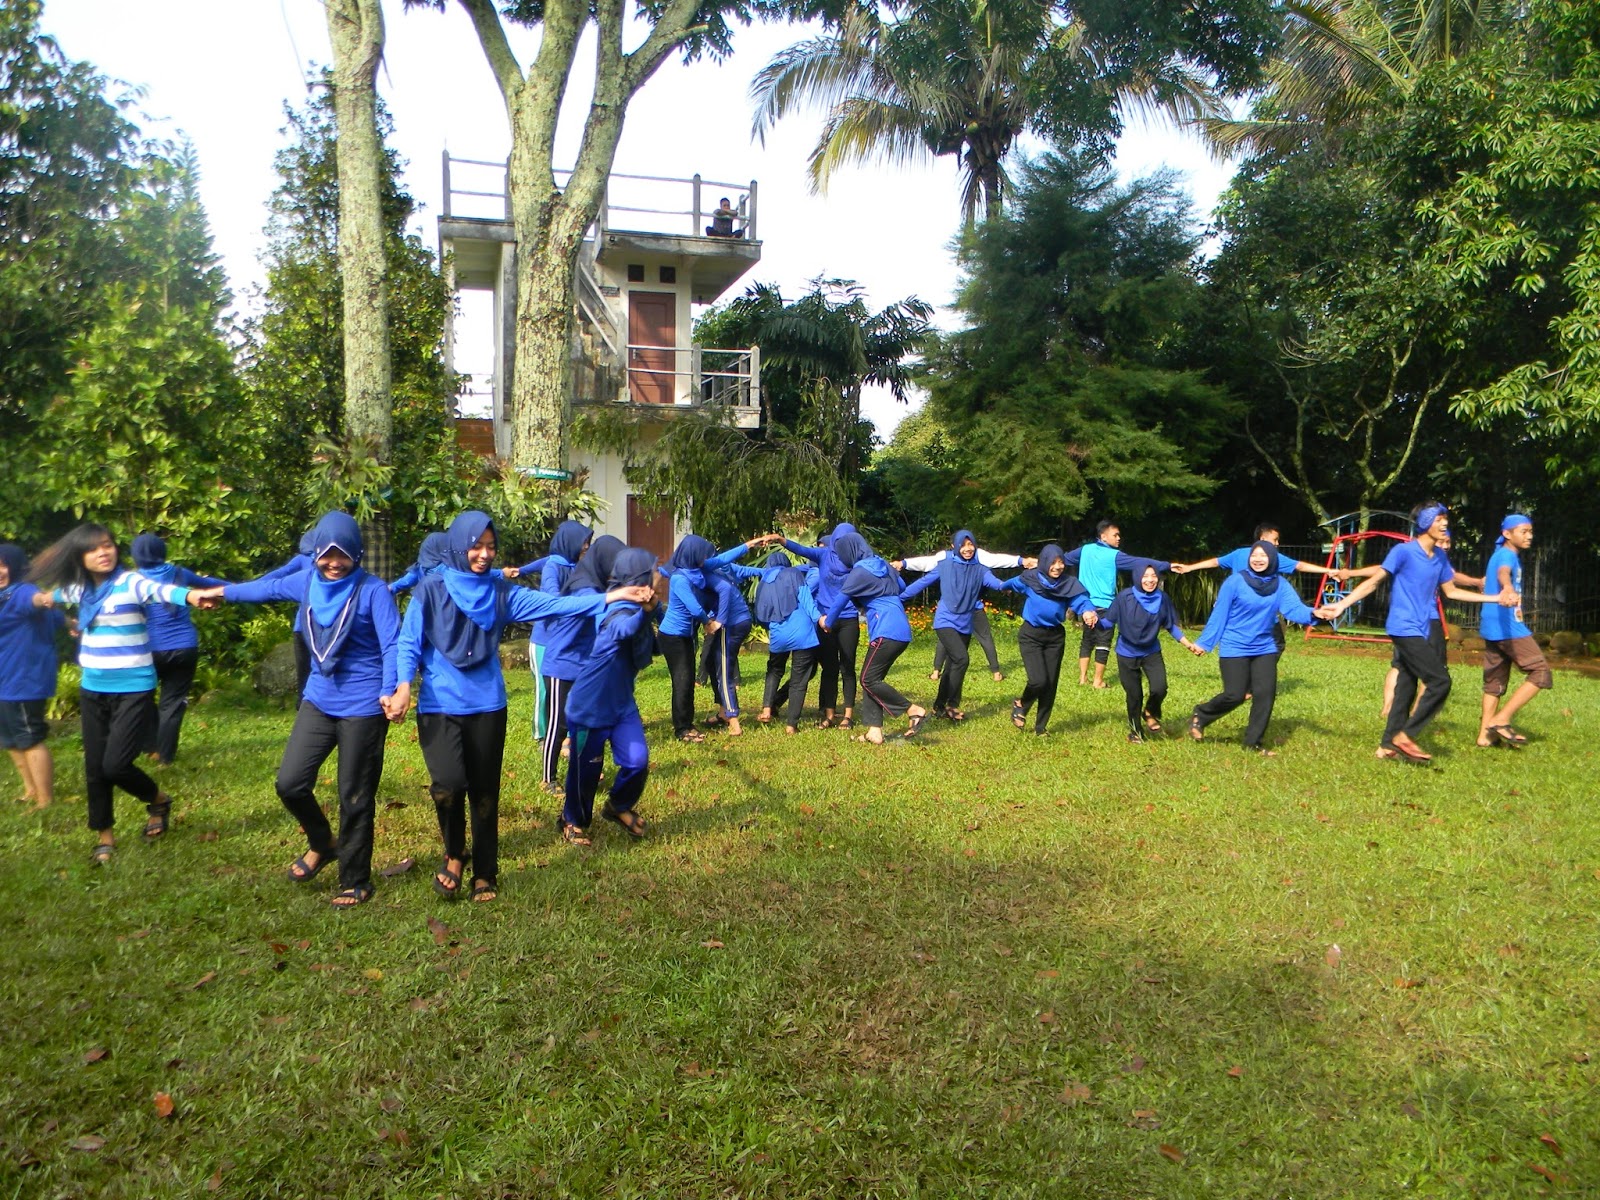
x=981 y=964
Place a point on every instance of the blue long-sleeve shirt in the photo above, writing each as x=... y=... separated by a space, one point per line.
x=447 y=688
x=1098 y=564
x=684 y=610
x=169 y=626
x=732 y=608
x=365 y=669
x=27 y=646
x=1126 y=605
x=797 y=631
x=827 y=589
x=603 y=693
x=1043 y=612
x=1242 y=619
x=886 y=615
x=944 y=617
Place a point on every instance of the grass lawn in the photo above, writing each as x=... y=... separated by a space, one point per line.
x=981 y=964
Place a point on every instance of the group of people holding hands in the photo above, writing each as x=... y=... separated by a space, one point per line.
x=602 y=610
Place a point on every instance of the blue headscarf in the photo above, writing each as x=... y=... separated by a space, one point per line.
x=566 y=547
x=870 y=577
x=327 y=614
x=465 y=610
x=631 y=567
x=1429 y=515
x=593 y=571
x=431 y=554
x=960 y=579
x=16 y=562
x=832 y=567
x=688 y=560
x=1143 y=625
x=1262 y=583
x=779 y=592
x=1511 y=521
x=150 y=556
x=308 y=540
x=1062 y=588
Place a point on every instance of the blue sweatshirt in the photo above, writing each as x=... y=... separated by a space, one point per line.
x=447 y=688
x=797 y=631
x=27 y=645
x=827 y=589
x=684 y=610
x=1242 y=620
x=1098 y=565
x=603 y=693
x=366 y=666
x=169 y=626
x=945 y=617
x=1239 y=560
x=1041 y=611
x=732 y=608
x=1127 y=609
x=886 y=615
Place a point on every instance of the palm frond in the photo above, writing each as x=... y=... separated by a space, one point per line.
x=862 y=128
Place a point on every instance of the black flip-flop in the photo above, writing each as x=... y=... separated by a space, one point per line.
x=1019 y=715
x=307 y=871
x=915 y=725
x=448 y=890
x=355 y=896
x=156 y=825
x=634 y=828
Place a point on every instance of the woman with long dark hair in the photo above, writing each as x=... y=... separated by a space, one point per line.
x=117 y=696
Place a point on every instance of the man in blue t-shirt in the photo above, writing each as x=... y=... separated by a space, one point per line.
x=1097 y=564
x=1418 y=571
x=1506 y=640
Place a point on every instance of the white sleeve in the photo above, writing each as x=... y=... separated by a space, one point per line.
x=924 y=563
x=998 y=560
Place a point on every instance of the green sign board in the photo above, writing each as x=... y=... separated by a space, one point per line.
x=546 y=473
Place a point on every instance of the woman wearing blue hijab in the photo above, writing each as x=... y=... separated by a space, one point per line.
x=872 y=585
x=840 y=641
x=351 y=630
x=1048 y=592
x=553 y=671
x=27 y=676
x=961 y=579
x=1139 y=614
x=452 y=632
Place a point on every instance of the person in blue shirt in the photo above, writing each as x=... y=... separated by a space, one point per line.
x=1235 y=560
x=351 y=629
x=551 y=683
x=691 y=603
x=785 y=605
x=871 y=584
x=1139 y=614
x=841 y=641
x=1507 y=640
x=567 y=641
x=601 y=708
x=726 y=577
x=961 y=579
x=1097 y=564
x=452 y=632
x=1417 y=572
x=1240 y=630
x=1048 y=592
x=301 y=560
x=174 y=644
x=27 y=676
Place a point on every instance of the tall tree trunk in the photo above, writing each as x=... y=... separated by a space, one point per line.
x=355 y=27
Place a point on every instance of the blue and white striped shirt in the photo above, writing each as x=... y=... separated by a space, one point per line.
x=114 y=651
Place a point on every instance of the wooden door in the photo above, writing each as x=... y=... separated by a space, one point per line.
x=652 y=321
x=650 y=529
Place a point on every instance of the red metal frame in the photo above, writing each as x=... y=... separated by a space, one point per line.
x=1322 y=587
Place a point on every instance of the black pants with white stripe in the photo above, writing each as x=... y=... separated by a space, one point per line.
x=555 y=723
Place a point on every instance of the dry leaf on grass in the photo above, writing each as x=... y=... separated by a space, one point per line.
x=440 y=931
x=399 y=868
x=1552 y=1143
x=1552 y=1176
x=1171 y=1153
x=95 y=1055
x=390 y=1104
x=1047 y=1018
x=373 y=974
x=1075 y=1093
x=1334 y=955
x=202 y=981
x=712 y=944
x=1236 y=1071
x=163 y=1103
x=1133 y=1066
x=89 y=1142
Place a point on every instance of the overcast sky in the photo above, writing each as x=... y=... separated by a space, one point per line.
x=220 y=71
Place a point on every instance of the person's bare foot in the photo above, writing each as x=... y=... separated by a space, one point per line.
x=790 y=730
x=764 y=716
x=734 y=729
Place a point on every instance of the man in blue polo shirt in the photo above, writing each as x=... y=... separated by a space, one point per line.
x=1097 y=564
x=1506 y=640
x=1418 y=571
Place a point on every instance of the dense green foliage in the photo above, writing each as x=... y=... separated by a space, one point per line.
x=986 y=965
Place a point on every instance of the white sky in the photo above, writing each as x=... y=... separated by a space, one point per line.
x=219 y=72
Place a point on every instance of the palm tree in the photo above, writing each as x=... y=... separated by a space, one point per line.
x=1339 y=60
x=968 y=78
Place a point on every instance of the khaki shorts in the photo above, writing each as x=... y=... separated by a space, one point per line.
x=1497 y=660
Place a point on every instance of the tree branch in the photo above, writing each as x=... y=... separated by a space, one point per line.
x=492 y=37
x=675 y=24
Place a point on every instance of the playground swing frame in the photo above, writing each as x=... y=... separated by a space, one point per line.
x=1331 y=590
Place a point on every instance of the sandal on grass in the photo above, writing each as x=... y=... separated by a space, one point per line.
x=1151 y=724
x=1197 y=731
x=631 y=822
x=447 y=882
x=156 y=826
x=300 y=871
x=574 y=835
x=915 y=724
x=826 y=723
x=847 y=722
x=866 y=741
x=951 y=713
x=483 y=891
x=1019 y=715
x=351 y=896
x=692 y=736
x=101 y=854
x=1507 y=736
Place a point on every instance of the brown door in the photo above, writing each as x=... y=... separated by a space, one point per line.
x=652 y=321
x=650 y=529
